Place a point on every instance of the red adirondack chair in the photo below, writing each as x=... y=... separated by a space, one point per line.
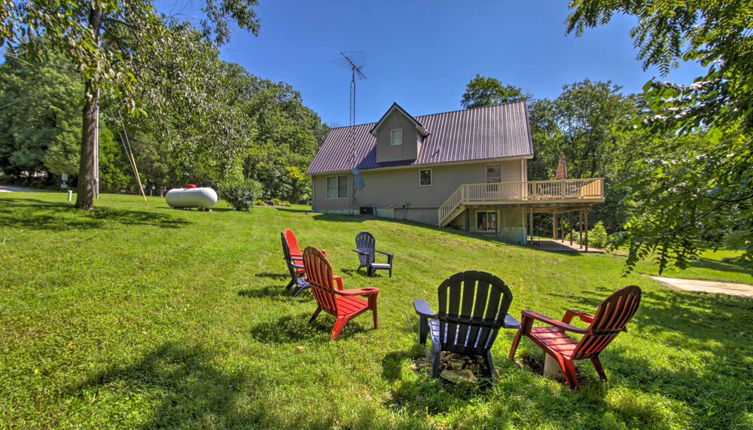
x=610 y=319
x=342 y=304
x=295 y=250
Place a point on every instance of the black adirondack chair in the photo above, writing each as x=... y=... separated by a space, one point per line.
x=472 y=308
x=295 y=267
x=366 y=249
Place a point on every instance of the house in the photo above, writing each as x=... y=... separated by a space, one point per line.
x=466 y=169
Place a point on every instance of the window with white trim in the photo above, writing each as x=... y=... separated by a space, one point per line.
x=424 y=177
x=396 y=136
x=337 y=187
x=486 y=221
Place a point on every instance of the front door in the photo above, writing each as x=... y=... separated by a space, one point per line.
x=493 y=177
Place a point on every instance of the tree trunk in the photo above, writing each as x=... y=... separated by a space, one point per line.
x=87 y=173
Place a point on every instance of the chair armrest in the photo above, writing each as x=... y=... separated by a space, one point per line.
x=510 y=322
x=570 y=313
x=423 y=309
x=366 y=292
x=550 y=321
x=339 y=281
x=389 y=256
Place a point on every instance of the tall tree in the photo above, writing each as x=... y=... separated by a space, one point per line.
x=103 y=38
x=485 y=91
x=703 y=185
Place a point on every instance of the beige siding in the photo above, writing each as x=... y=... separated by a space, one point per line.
x=399 y=188
x=410 y=147
x=320 y=203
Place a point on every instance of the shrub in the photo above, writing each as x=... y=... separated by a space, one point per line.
x=241 y=196
x=598 y=236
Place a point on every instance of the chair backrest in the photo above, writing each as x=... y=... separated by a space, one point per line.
x=288 y=258
x=319 y=275
x=366 y=241
x=610 y=319
x=292 y=242
x=472 y=308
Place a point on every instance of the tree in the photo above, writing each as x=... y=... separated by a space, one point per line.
x=40 y=122
x=701 y=185
x=484 y=91
x=105 y=39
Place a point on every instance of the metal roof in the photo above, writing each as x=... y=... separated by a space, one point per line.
x=466 y=135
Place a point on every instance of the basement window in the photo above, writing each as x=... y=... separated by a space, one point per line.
x=486 y=221
x=337 y=187
x=396 y=136
x=424 y=177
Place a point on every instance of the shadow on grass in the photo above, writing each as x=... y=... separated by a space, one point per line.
x=361 y=273
x=303 y=211
x=296 y=328
x=705 y=263
x=191 y=391
x=275 y=292
x=280 y=276
x=36 y=214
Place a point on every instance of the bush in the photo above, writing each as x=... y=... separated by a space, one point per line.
x=598 y=236
x=241 y=196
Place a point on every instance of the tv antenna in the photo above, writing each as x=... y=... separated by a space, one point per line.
x=354 y=61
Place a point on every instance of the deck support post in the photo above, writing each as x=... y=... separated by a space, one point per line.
x=571 y=228
x=530 y=223
x=585 y=213
x=580 y=229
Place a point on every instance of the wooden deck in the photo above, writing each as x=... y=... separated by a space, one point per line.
x=565 y=194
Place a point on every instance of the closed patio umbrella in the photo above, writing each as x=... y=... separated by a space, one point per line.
x=562 y=167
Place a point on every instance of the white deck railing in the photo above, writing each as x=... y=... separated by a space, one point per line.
x=522 y=192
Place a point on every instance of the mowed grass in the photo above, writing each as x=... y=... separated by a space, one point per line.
x=144 y=317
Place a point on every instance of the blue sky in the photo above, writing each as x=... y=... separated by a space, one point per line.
x=421 y=54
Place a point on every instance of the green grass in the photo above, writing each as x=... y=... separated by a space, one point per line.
x=143 y=317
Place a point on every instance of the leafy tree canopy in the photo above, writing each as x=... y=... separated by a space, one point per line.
x=701 y=187
x=484 y=91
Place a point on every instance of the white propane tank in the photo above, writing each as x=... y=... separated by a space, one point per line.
x=200 y=197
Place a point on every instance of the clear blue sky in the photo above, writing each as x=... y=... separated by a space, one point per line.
x=421 y=54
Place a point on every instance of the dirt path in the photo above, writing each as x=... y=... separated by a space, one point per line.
x=731 y=288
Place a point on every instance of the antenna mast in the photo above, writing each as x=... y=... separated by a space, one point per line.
x=352 y=61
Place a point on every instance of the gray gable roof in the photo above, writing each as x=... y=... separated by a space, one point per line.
x=460 y=136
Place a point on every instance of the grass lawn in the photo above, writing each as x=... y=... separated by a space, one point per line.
x=143 y=317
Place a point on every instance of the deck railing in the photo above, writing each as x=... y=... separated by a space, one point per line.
x=523 y=192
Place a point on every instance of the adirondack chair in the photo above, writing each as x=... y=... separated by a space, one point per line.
x=344 y=305
x=295 y=268
x=366 y=249
x=472 y=327
x=610 y=319
x=295 y=250
x=292 y=241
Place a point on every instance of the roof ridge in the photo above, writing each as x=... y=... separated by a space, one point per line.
x=438 y=113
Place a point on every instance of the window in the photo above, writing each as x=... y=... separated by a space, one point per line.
x=396 y=136
x=493 y=173
x=486 y=221
x=424 y=177
x=337 y=187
